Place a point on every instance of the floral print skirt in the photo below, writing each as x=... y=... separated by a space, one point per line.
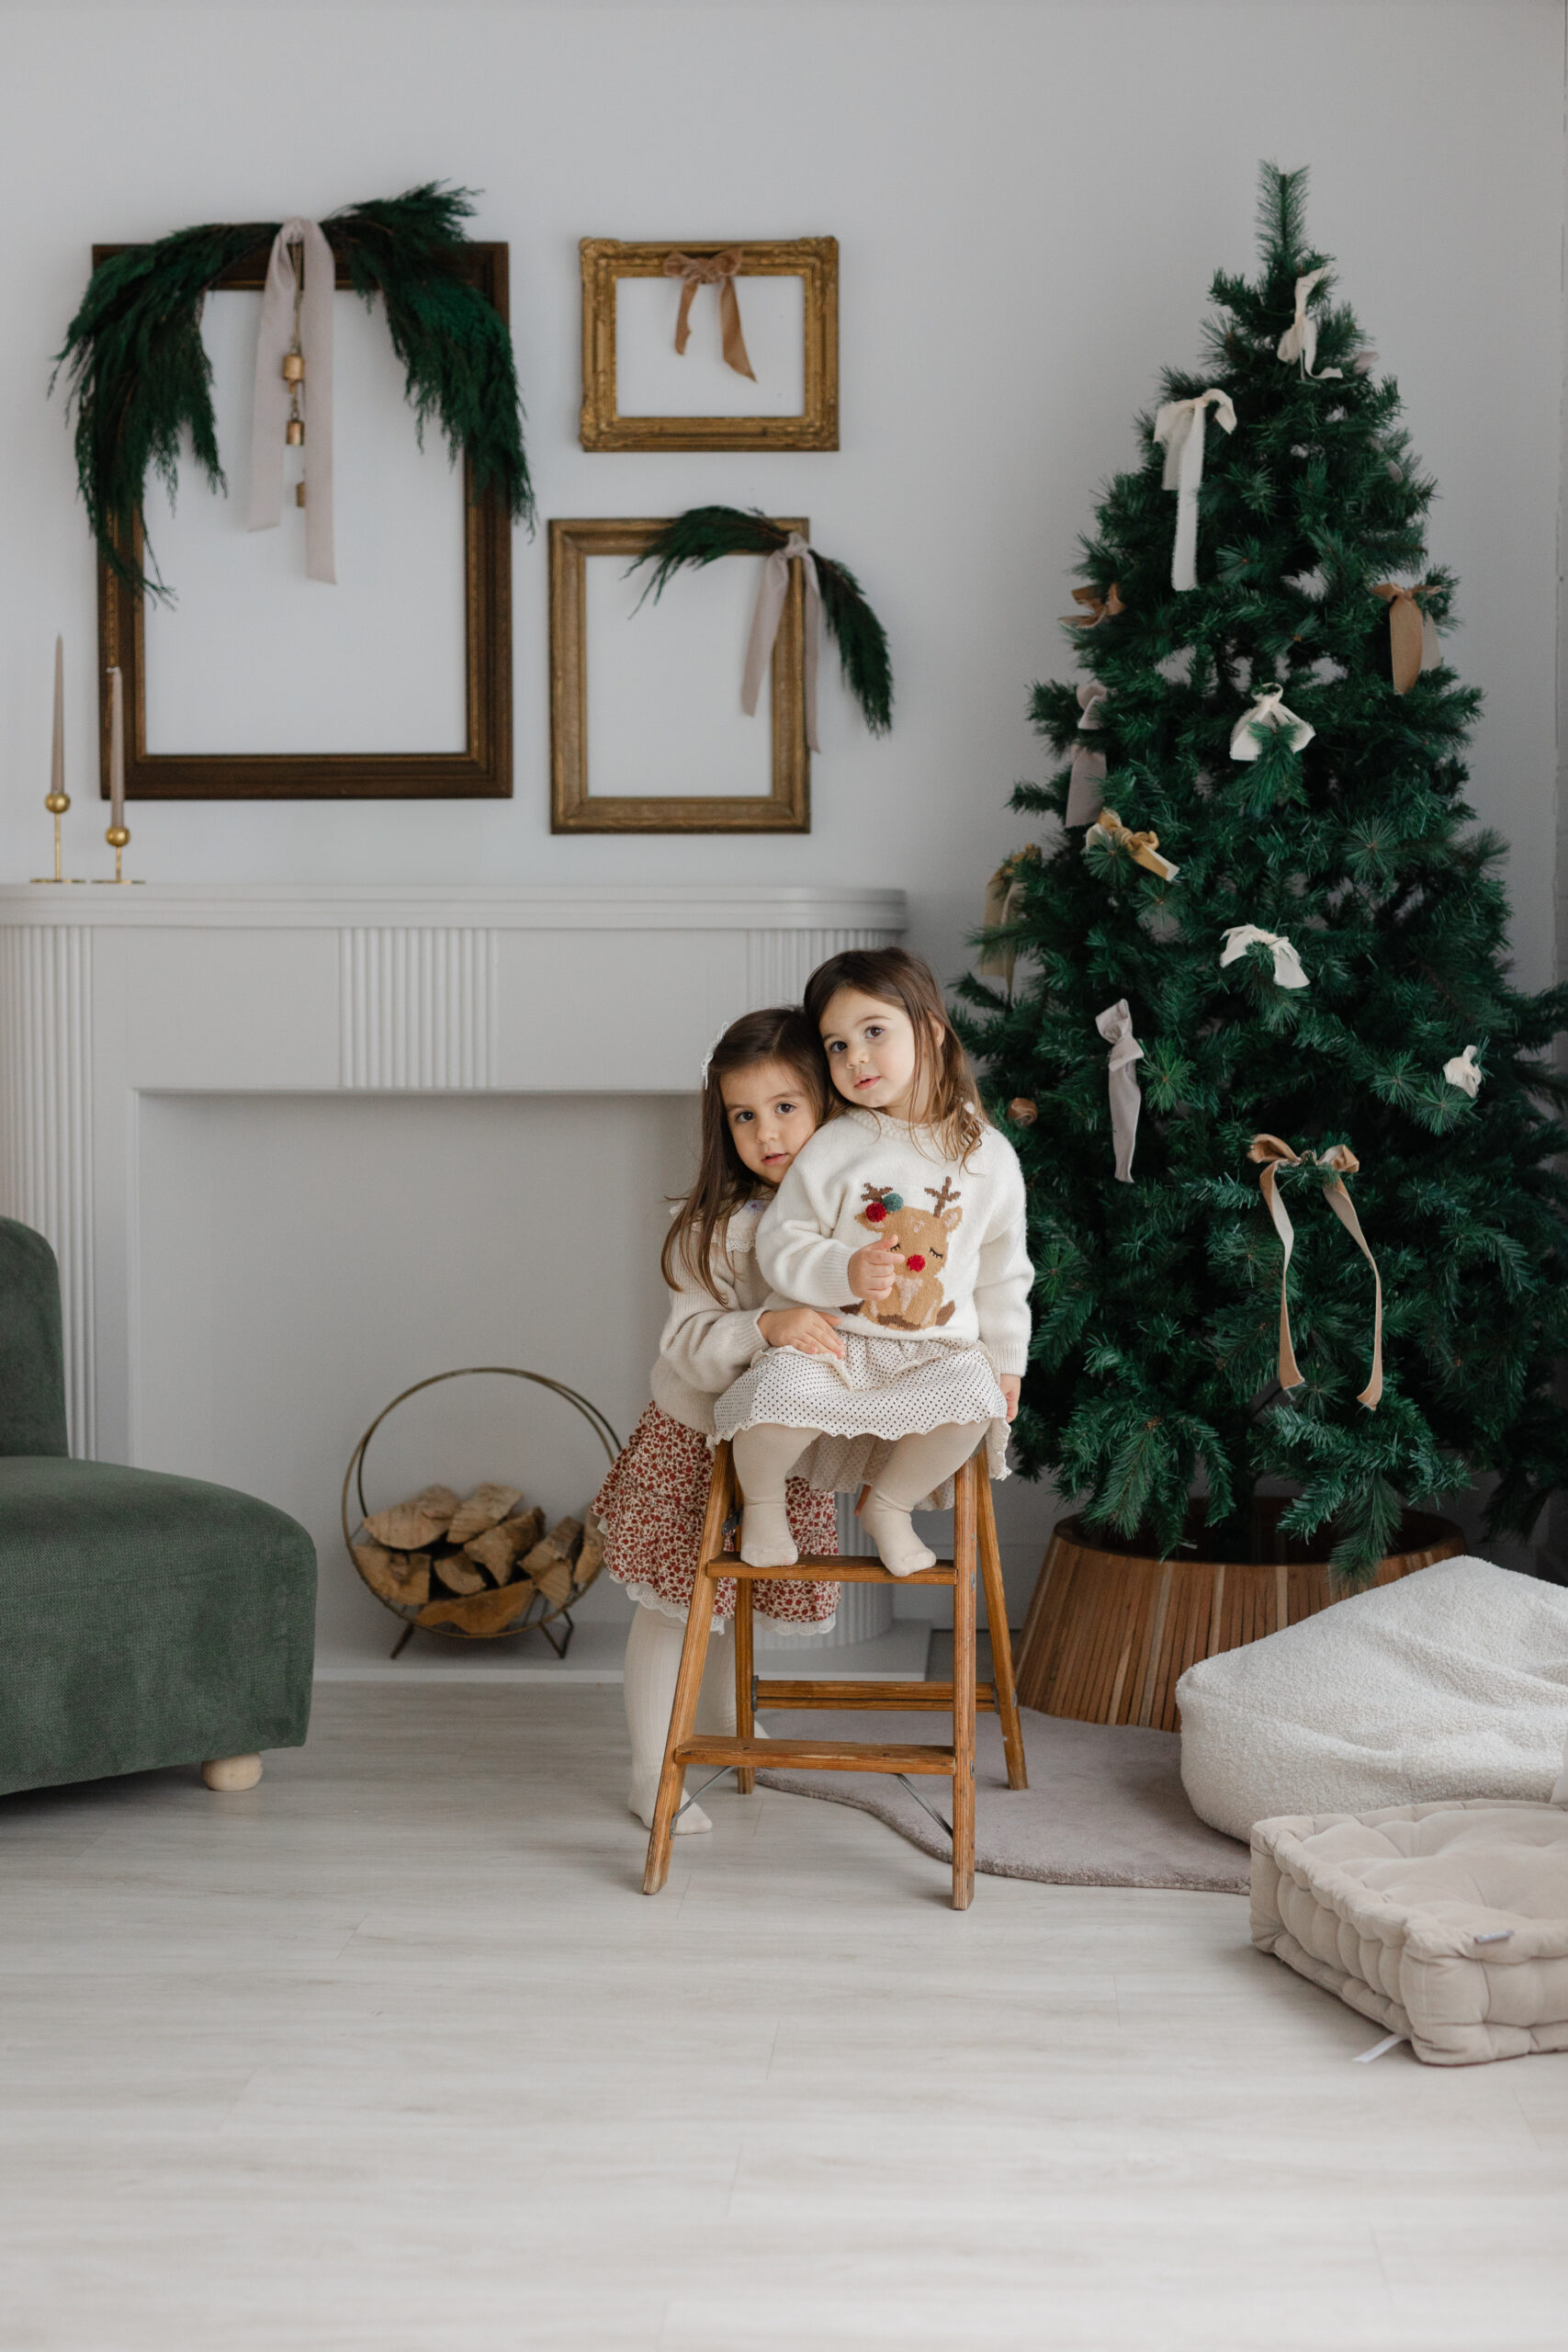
x=651 y=1507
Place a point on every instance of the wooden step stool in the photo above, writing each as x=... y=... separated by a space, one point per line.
x=974 y=1543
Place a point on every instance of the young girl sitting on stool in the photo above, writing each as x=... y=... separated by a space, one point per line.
x=764 y=1093
x=903 y=1221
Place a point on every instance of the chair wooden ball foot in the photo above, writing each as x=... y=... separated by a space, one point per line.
x=232 y=1772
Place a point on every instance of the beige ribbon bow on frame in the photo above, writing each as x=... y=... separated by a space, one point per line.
x=1115 y=1025
x=1179 y=425
x=772 y=590
x=1337 y=1163
x=270 y=410
x=1142 y=848
x=1300 y=338
x=1412 y=642
x=719 y=270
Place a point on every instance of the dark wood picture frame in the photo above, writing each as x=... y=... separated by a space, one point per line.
x=814 y=259
x=483 y=770
x=573 y=809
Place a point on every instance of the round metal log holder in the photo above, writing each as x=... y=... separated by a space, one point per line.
x=540 y=1614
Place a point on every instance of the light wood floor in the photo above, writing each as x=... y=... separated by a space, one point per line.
x=392 y=2053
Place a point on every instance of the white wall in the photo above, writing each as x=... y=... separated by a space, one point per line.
x=1030 y=201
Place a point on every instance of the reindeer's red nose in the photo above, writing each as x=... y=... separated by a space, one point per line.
x=875 y=1213
x=914 y=1262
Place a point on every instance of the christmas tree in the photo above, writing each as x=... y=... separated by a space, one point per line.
x=1288 y=895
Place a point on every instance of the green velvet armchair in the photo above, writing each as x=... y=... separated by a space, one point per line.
x=144 y=1620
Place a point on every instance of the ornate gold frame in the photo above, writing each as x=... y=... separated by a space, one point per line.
x=482 y=771
x=814 y=259
x=573 y=809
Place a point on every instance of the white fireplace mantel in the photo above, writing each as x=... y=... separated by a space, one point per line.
x=108 y=995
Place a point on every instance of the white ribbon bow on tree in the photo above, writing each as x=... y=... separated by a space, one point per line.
x=1115 y=1025
x=1268 y=710
x=1085 y=797
x=1288 y=972
x=1461 y=1070
x=1180 y=427
x=270 y=412
x=772 y=590
x=1300 y=338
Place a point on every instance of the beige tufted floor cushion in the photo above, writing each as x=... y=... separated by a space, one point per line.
x=1444 y=1922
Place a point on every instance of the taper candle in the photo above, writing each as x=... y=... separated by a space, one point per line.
x=117 y=750
x=57 y=757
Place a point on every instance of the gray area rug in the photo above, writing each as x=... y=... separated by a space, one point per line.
x=1104 y=1807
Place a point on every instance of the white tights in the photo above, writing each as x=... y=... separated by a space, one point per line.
x=653 y=1661
x=765 y=1455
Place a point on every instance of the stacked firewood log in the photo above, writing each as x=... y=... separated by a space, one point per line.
x=478 y=1566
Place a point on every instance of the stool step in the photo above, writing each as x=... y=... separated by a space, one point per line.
x=886 y=1697
x=817 y=1755
x=726 y=1563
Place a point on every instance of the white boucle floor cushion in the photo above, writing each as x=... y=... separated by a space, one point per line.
x=1452 y=1682
x=1444 y=1922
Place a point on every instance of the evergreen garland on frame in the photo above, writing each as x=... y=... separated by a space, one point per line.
x=140 y=379
x=1156 y=1363
x=704 y=533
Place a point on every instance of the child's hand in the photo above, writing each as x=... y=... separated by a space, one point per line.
x=1012 y=1387
x=873 y=1269
x=802 y=1328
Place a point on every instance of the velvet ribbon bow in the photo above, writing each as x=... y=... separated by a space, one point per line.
x=1085 y=796
x=1179 y=425
x=1288 y=972
x=772 y=590
x=1115 y=1025
x=1300 y=338
x=1335 y=1164
x=719 y=270
x=1004 y=900
x=270 y=411
x=1097 y=609
x=1268 y=711
x=1142 y=848
x=1413 y=643
x=1461 y=1070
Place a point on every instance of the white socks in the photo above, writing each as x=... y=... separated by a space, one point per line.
x=653 y=1662
x=915 y=1468
x=764 y=1456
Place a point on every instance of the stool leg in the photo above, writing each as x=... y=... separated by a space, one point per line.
x=965 y=1565
x=1001 y=1642
x=745 y=1716
x=688 y=1681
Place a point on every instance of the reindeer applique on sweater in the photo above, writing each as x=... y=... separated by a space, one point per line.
x=916 y=1302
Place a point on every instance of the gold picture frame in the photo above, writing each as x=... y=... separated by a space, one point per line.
x=813 y=259
x=573 y=809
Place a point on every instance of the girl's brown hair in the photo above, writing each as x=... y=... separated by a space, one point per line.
x=780 y=1034
x=944 y=1078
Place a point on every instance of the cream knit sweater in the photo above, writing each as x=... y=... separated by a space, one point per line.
x=967 y=1275
x=708 y=1342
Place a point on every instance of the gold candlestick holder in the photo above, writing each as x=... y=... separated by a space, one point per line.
x=57 y=804
x=117 y=838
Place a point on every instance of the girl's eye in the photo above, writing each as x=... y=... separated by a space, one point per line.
x=740 y=1117
x=874 y=1030
x=784 y=1110
x=837 y=1046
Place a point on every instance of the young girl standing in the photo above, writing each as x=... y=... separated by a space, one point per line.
x=906 y=1215
x=764 y=1094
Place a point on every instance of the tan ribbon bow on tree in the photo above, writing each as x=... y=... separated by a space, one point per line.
x=1085 y=797
x=1143 y=848
x=719 y=270
x=1300 y=338
x=1004 y=899
x=1098 y=608
x=269 y=410
x=1413 y=643
x=1115 y=1025
x=1180 y=425
x=1336 y=1164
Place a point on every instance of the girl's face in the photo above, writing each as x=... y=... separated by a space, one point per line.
x=768 y=1117
x=871 y=1052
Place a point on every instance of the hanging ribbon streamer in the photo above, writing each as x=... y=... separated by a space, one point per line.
x=772 y=590
x=1004 y=903
x=1413 y=641
x=1115 y=1025
x=270 y=412
x=1268 y=710
x=1098 y=608
x=1179 y=426
x=1084 y=796
x=1143 y=848
x=1337 y=1163
x=718 y=270
x=1463 y=1071
x=1300 y=338
x=1288 y=972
